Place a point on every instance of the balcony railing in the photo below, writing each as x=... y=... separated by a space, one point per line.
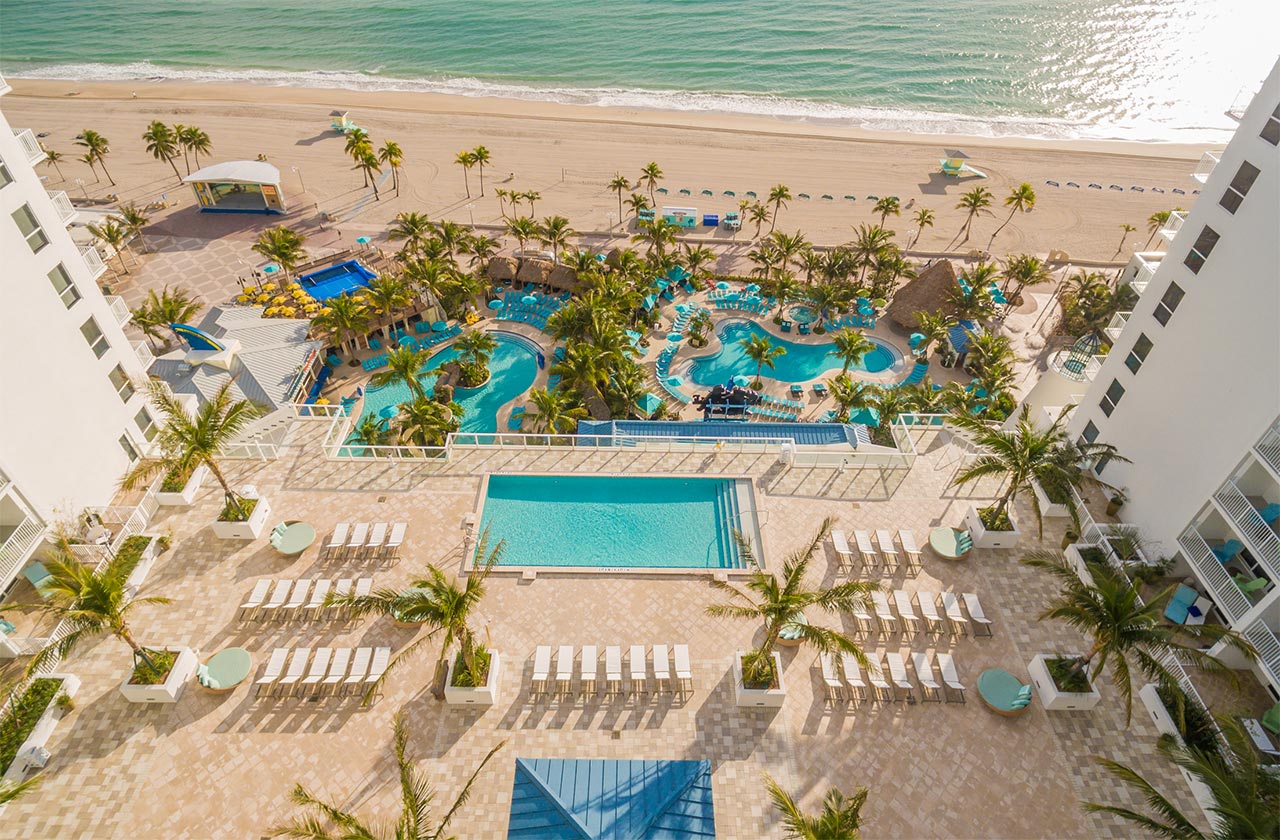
x=1148 y=262
x=145 y=357
x=1116 y=327
x=1208 y=161
x=1228 y=598
x=4 y=86
x=1257 y=533
x=18 y=546
x=30 y=145
x=93 y=261
x=1241 y=103
x=1072 y=367
x=1268 y=449
x=119 y=309
x=61 y=203
x=1264 y=639
x=1170 y=230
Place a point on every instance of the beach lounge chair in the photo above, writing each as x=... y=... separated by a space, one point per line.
x=297 y=667
x=391 y=550
x=820 y=389
x=337 y=541
x=841 y=545
x=827 y=663
x=866 y=550
x=950 y=678
x=639 y=671
x=880 y=688
x=377 y=667
x=981 y=624
x=279 y=596
x=564 y=670
x=911 y=549
x=355 y=543
x=887 y=550
x=341 y=588
x=684 y=670
x=541 y=669
x=910 y=621
x=929 y=612
x=661 y=668
x=588 y=669
x=377 y=538
x=316 y=602
x=613 y=671
x=251 y=605
x=862 y=619
x=297 y=599
x=898 y=676
x=955 y=616
x=885 y=618
x=1003 y=693
x=929 y=688
x=263 y=686
x=359 y=668
x=337 y=671
x=319 y=668
x=853 y=677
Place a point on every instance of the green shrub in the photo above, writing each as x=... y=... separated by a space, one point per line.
x=231 y=514
x=131 y=550
x=993 y=521
x=143 y=674
x=175 y=480
x=19 y=717
x=466 y=678
x=1065 y=677
x=1193 y=722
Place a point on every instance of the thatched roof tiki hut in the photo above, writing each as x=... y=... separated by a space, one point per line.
x=930 y=291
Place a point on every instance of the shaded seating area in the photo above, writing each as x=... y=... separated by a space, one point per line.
x=1187 y=606
x=1003 y=693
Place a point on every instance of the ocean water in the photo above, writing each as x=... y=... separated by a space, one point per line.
x=1138 y=69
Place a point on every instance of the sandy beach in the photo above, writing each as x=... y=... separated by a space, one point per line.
x=568 y=154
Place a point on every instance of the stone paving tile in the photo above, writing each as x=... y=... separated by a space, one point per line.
x=222 y=765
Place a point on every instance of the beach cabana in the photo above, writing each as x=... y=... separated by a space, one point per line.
x=238 y=186
x=930 y=291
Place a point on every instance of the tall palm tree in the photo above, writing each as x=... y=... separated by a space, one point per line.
x=850 y=346
x=390 y=294
x=975 y=203
x=583 y=368
x=162 y=144
x=1246 y=794
x=1155 y=223
x=425 y=422
x=935 y=327
x=886 y=207
x=888 y=403
x=697 y=256
x=328 y=821
x=88 y=158
x=1023 y=270
x=619 y=185
x=159 y=310
x=1125 y=632
x=404 y=366
x=357 y=141
x=650 y=175
x=637 y=202
x=868 y=241
x=763 y=352
x=346 y=316
x=481 y=156
x=51 y=158
x=370 y=431
x=412 y=228
x=466 y=159
x=393 y=156
x=91 y=601
x=1126 y=229
x=780 y=604
x=779 y=195
x=829 y=298
x=113 y=232
x=554 y=411
x=1021 y=199
x=758 y=214
x=658 y=234
x=923 y=218
x=367 y=163
x=531 y=196
x=554 y=232
x=98 y=147
x=189 y=440
x=282 y=246
x=523 y=228
x=840 y=818
x=849 y=396
x=195 y=141
x=475 y=347
x=134 y=219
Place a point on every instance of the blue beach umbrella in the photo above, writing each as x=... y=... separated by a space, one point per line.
x=439 y=326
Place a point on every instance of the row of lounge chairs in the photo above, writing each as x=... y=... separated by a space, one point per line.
x=852 y=319
x=428 y=338
x=772 y=415
x=756 y=305
x=333 y=672
x=364 y=541
x=782 y=403
x=665 y=680
x=1118 y=188
x=299 y=600
x=900 y=615
x=873 y=687
x=868 y=557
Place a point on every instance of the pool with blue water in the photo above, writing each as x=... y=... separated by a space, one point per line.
x=801 y=362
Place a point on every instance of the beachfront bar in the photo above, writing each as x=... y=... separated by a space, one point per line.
x=238 y=186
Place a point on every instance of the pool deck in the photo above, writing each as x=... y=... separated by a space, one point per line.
x=225 y=765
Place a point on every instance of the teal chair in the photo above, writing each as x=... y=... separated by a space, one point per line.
x=1003 y=693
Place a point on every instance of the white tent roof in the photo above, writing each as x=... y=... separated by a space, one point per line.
x=237 y=172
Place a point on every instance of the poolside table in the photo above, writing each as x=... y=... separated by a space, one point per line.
x=296 y=537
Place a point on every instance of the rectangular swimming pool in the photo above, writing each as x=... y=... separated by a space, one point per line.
x=619 y=522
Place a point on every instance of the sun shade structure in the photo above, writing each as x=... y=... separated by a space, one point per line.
x=238 y=186
x=930 y=291
x=600 y=799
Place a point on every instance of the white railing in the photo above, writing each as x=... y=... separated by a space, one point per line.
x=254 y=450
x=1268 y=449
x=1116 y=327
x=143 y=351
x=1148 y=262
x=61 y=203
x=4 y=86
x=1226 y=595
x=1170 y=230
x=30 y=145
x=93 y=261
x=119 y=309
x=1063 y=364
x=1263 y=638
x=1257 y=533
x=1208 y=162
x=1241 y=103
x=16 y=548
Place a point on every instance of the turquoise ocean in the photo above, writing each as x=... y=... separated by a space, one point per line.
x=1143 y=69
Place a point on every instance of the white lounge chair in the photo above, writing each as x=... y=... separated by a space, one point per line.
x=661 y=668
x=866 y=550
x=613 y=671
x=884 y=615
x=279 y=596
x=337 y=670
x=564 y=670
x=827 y=662
x=898 y=676
x=929 y=688
x=338 y=541
x=356 y=541
x=340 y=589
x=929 y=612
x=955 y=616
x=588 y=669
x=392 y=549
x=373 y=546
x=862 y=618
x=881 y=690
x=264 y=685
x=297 y=667
x=841 y=544
x=950 y=677
x=319 y=667
x=297 y=599
x=250 y=607
x=359 y=668
x=888 y=551
x=981 y=624
x=377 y=667
x=684 y=671
x=853 y=677
x=316 y=602
x=911 y=549
x=541 y=669
x=639 y=670
x=910 y=621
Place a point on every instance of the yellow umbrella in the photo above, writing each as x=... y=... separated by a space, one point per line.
x=268 y=287
x=242 y=298
x=263 y=298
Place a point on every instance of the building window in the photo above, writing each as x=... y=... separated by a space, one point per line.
x=1138 y=354
x=1271 y=131
x=93 y=335
x=1168 y=303
x=1090 y=433
x=1101 y=465
x=1112 y=397
x=146 y=424
x=120 y=381
x=26 y=221
x=1200 y=251
x=128 y=448
x=63 y=285
x=5 y=178
x=1239 y=188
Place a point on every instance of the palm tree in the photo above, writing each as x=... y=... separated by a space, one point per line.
x=195 y=141
x=91 y=601
x=113 y=232
x=888 y=404
x=1021 y=198
x=781 y=604
x=357 y=140
x=658 y=234
x=554 y=411
x=134 y=219
x=638 y=202
x=466 y=159
x=974 y=203
x=367 y=163
x=850 y=346
x=923 y=219
x=849 y=396
x=393 y=156
x=162 y=145
x=758 y=214
x=346 y=316
x=98 y=148
x=390 y=294
x=619 y=185
x=1126 y=229
x=186 y=441
x=697 y=256
x=480 y=156
x=326 y=821
x=554 y=232
x=51 y=158
x=886 y=207
x=840 y=818
x=1023 y=270
x=868 y=241
x=1246 y=794
x=370 y=431
x=88 y=158
x=9 y=791
x=779 y=195
x=411 y=227
x=531 y=196
x=1126 y=632
x=161 y=310
x=425 y=422
x=523 y=228
x=762 y=351
x=282 y=246
x=475 y=347
x=935 y=327
x=650 y=175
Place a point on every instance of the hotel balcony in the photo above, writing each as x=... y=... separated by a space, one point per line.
x=1206 y=166
x=1264 y=640
x=30 y=145
x=93 y=261
x=1170 y=230
x=145 y=357
x=1268 y=450
x=4 y=86
x=1226 y=595
x=1077 y=370
x=1116 y=327
x=20 y=532
x=119 y=309
x=1144 y=265
x=61 y=203
x=1248 y=500
x=1241 y=103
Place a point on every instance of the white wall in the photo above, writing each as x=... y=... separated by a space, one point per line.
x=1211 y=384
x=60 y=416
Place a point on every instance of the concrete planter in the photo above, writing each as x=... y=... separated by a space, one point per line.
x=187 y=494
x=249 y=530
x=1163 y=720
x=32 y=753
x=984 y=538
x=1049 y=509
x=1051 y=697
x=145 y=562
x=485 y=695
x=184 y=668
x=1076 y=561
x=770 y=698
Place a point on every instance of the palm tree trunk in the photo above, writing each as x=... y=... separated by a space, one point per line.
x=466 y=181
x=186 y=160
x=138 y=650
x=103 y=164
x=1006 y=221
x=176 y=173
x=120 y=254
x=233 y=500
x=482 y=179
x=59 y=168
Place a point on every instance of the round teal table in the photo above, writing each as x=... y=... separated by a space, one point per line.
x=947 y=542
x=225 y=669
x=296 y=537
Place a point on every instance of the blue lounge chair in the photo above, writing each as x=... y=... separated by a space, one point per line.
x=375 y=344
x=1179 y=605
x=1227 y=550
x=333 y=360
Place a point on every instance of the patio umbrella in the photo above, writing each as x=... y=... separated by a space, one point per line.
x=675 y=336
x=363 y=240
x=529 y=299
x=439 y=326
x=495 y=304
x=270 y=269
x=649 y=403
x=915 y=340
x=754 y=287
x=722 y=285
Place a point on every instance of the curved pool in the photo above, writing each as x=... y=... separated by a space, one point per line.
x=801 y=362
x=512 y=371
